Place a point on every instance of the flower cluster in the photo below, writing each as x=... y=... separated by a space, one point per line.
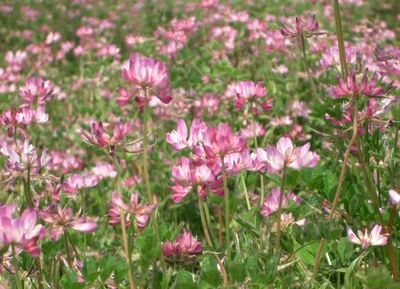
x=184 y=249
x=134 y=211
x=60 y=219
x=213 y=148
x=101 y=139
x=23 y=231
x=271 y=203
x=365 y=239
x=350 y=86
x=147 y=76
x=248 y=92
x=306 y=25
x=285 y=154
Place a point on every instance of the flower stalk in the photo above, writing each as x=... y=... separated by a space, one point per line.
x=209 y=241
x=306 y=66
x=246 y=193
x=226 y=206
x=68 y=250
x=261 y=176
x=279 y=214
x=18 y=280
x=354 y=104
x=145 y=151
x=394 y=266
x=127 y=253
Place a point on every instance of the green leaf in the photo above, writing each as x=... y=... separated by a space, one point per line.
x=120 y=271
x=355 y=203
x=377 y=278
x=270 y=272
x=107 y=267
x=89 y=270
x=330 y=182
x=345 y=249
x=252 y=268
x=70 y=280
x=307 y=253
x=185 y=280
x=209 y=272
x=237 y=270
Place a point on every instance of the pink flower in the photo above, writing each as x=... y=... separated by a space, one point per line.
x=331 y=57
x=226 y=34
x=349 y=87
x=271 y=203
x=147 y=73
x=179 y=138
x=287 y=220
x=248 y=91
x=299 y=108
x=76 y=182
x=120 y=130
x=305 y=24
x=237 y=162
x=27 y=115
x=24 y=157
x=36 y=91
x=188 y=175
x=286 y=155
x=104 y=170
x=63 y=218
x=22 y=231
x=394 y=197
x=183 y=249
x=248 y=131
x=219 y=141
x=140 y=212
x=375 y=238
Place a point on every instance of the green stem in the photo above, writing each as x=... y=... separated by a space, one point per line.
x=340 y=38
x=149 y=193
x=204 y=223
x=261 y=176
x=67 y=249
x=279 y=215
x=371 y=188
x=394 y=266
x=306 y=66
x=226 y=206
x=246 y=194
x=341 y=182
x=145 y=152
x=72 y=244
x=209 y=242
x=344 y=70
x=18 y=280
x=127 y=254
x=208 y=218
x=27 y=188
x=40 y=277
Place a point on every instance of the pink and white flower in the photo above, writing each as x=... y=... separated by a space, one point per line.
x=394 y=197
x=147 y=73
x=286 y=155
x=22 y=231
x=62 y=219
x=271 y=203
x=375 y=238
x=183 y=249
x=132 y=211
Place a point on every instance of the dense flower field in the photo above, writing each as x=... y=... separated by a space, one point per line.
x=200 y=144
